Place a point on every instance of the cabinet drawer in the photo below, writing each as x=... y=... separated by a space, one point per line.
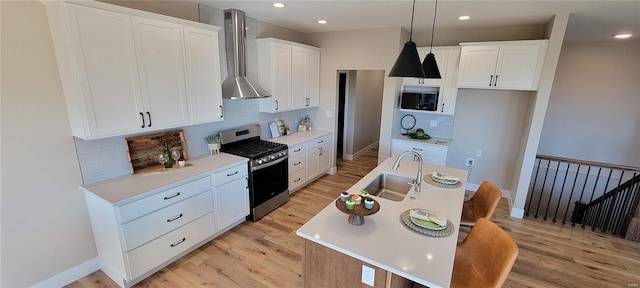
x=296 y=179
x=154 y=253
x=433 y=154
x=296 y=163
x=317 y=142
x=150 y=226
x=296 y=150
x=162 y=199
x=230 y=174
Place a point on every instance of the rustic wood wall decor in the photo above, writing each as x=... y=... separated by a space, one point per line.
x=143 y=150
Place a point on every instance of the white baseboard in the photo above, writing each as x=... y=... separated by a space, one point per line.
x=71 y=275
x=333 y=170
x=350 y=157
x=517 y=213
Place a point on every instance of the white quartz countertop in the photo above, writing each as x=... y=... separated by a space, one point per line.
x=299 y=137
x=384 y=241
x=433 y=140
x=128 y=188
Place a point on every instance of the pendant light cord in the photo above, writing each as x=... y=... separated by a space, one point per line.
x=413 y=10
x=433 y=27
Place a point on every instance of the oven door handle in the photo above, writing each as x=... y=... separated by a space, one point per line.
x=270 y=164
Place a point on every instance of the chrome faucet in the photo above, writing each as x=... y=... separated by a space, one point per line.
x=418 y=181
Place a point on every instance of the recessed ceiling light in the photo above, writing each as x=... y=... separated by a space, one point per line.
x=464 y=17
x=322 y=21
x=278 y=5
x=622 y=36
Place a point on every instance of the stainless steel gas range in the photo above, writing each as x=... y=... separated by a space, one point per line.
x=268 y=168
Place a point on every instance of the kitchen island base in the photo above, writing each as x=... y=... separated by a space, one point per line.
x=325 y=267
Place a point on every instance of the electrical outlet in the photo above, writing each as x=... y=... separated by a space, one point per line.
x=470 y=162
x=368 y=274
x=328 y=113
x=434 y=123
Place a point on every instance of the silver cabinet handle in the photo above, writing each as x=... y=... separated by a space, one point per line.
x=178 y=243
x=297 y=150
x=442 y=107
x=276 y=105
x=491 y=81
x=231 y=174
x=416 y=149
x=174 y=218
x=321 y=151
x=149 y=115
x=172 y=196
x=297 y=180
x=495 y=83
x=296 y=164
x=221 y=111
x=320 y=142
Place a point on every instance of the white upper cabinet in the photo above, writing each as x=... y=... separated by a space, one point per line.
x=448 y=59
x=291 y=72
x=102 y=89
x=123 y=71
x=160 y=64
x=513 y=65
x=204 y=89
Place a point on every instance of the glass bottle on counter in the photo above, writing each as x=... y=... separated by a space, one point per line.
x=167 y=154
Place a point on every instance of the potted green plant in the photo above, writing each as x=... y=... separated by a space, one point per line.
x=214 y=142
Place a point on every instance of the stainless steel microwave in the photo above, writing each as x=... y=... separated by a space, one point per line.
x=426 y=100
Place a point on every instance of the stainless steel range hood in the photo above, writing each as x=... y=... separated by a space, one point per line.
x=237 y=85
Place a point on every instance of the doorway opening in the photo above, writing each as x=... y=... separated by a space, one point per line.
x=359 y=111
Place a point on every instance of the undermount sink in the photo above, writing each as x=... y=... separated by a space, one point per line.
x=390 y=186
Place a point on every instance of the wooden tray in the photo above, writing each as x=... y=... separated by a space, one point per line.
x=144 y=149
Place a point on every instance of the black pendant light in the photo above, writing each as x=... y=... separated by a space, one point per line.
x=429 y=65
x=408 y=62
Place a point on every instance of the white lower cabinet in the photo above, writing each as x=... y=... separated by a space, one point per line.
x=318 y=156
x=430 y=153
x=149 y=256
x=231 y=189
x=308 y=160
x=138 y=237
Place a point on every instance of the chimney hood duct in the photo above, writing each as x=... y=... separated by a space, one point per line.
x=237 y=85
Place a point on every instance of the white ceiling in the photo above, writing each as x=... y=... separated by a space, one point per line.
x=589 y=21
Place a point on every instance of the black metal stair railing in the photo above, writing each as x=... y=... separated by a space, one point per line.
x=603 y=195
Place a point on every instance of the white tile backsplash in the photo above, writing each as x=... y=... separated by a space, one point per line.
x=423 y=120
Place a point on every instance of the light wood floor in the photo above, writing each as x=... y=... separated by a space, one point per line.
x=267 y=253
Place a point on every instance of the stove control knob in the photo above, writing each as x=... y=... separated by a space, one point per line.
x=260 y=161
x=272 y=157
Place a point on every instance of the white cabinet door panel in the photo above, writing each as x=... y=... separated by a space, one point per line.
x=298 y=77
x=160 y=63
x=202 y=63
x=104 y=52
x=517 y=67
x=477 y=65
x=232 y=202
x=313 y=79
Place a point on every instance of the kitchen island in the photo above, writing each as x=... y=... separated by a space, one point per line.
x=335 y=250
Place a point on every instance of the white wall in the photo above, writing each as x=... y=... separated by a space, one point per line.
x=373 y=49
x=45 y=224
x=594 y=109
x=492 y=121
